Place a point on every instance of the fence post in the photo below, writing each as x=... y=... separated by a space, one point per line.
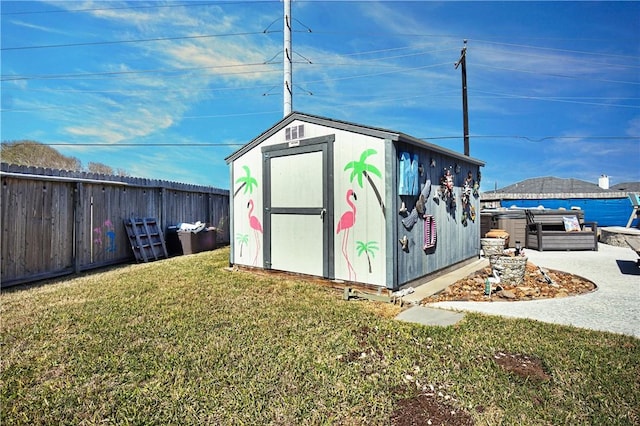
x=77 y=220
x=163 y=210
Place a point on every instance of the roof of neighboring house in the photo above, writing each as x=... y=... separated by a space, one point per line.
x=627 y=187
x=551 y=185
x=351 y=127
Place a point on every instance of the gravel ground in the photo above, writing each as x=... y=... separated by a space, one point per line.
x=613 y=307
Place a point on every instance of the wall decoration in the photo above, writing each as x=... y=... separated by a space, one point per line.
x=247 y=182
x=361 y=168
x=411 y=219
x=110 y=232
x=403 y=209
x=111 y=236
x=255 y=224
x=369 y=248
x=97 y=236
x=408 y=183
x=347 y=220
x=404 y=242
x=430 y=235
x=419 y=208
x=424 y=196
x=465 y=197
x=476 y=184
x=242 y=239
x=446 y=188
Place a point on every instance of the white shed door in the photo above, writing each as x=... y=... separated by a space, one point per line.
x=296 y=208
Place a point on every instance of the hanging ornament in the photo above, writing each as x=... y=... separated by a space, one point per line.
x=476 y=184
x=446 y=185
x=467 y=209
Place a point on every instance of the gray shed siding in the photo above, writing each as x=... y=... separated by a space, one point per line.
x=455 y=242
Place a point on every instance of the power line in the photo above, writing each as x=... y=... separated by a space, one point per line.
x=531 y=139
x=130 y=92
x=383 y=58
x=96 y=9
x=375 y=74
x=379 y=100
x=177 y=70
x=573 y=77
x=142 y=40
x=204 y=144
x=118 y=73
x=559 y=99
x=557 y=49
x=570 y=58
x=133 y=144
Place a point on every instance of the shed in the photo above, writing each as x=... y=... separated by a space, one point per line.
x=351 y=202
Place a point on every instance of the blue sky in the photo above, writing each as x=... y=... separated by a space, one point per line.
x=167 y=90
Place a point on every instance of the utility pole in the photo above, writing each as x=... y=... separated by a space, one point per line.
x=465 y=112
x=288 y=60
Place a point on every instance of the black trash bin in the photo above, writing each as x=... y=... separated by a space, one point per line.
x=174 y=247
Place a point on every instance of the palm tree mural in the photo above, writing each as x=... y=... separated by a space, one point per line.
x=361 y=168
x=242 y=239
x=247 y=182
x=369 y=248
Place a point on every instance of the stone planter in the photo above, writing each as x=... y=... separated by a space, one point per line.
x=492 y=246
x=513 y=268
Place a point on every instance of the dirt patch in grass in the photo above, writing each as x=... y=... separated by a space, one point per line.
x=430 y=409
x=427 y=409
x=524 y=366
x=535 y=285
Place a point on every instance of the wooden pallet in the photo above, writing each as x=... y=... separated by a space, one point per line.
x=147 y=241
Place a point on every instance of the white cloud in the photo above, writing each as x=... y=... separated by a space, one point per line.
x=633 y=128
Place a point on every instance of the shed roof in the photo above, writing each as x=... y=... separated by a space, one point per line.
x=351 y=127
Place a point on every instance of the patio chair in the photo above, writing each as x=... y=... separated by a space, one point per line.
x=635 y=203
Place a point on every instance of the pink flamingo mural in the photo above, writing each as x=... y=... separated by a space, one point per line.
x=254 y=223
x=347 y=220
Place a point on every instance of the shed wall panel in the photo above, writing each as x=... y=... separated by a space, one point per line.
x=365 y=246
x=455 y=241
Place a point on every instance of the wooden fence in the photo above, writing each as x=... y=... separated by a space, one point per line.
x=60 y=222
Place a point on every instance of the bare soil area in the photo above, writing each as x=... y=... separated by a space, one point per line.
x=538 y=283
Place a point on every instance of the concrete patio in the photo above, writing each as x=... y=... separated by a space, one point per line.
x=613 y=307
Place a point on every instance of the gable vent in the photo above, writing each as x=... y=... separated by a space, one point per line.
x=294 y=132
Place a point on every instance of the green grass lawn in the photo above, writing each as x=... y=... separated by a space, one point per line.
x=183 y=341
